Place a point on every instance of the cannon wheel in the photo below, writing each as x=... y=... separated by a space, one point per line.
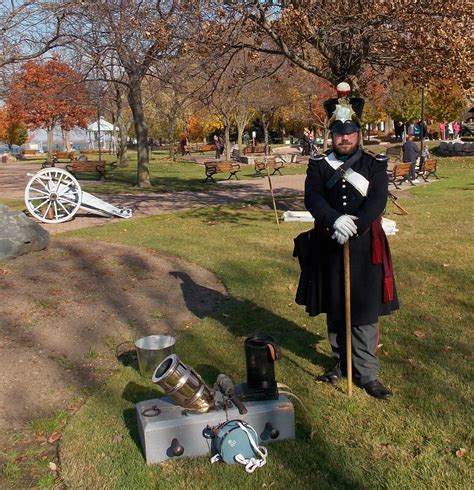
x=53 y=195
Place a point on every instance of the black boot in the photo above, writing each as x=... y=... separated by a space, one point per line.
x=376 y=389
x=332 y=377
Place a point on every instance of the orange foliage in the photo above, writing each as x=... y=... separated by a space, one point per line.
x=12 y=129
x=50 y=94
x=195 y=127
x=324 y=90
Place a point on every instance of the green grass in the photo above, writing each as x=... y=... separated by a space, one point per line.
x=165 y=175
x=33 y=449
x=410 y=442
x=16 y=204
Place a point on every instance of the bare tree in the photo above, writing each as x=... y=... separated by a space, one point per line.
x=133 y=36
x=29 y=29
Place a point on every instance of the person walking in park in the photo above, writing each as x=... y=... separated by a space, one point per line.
x=456 y=129
x=411 y=154
x=346 y=192
x=442 y=131
x=217 y=146
x=450 y=131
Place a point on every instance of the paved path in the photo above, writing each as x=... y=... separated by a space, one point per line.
x=13 y=180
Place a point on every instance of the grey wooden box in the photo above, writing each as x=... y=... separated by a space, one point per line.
x=273 y=420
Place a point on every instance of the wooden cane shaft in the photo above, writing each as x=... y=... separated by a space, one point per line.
x=347 y=294
x=273 y=196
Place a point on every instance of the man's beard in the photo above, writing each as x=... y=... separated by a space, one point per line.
x=347 y=149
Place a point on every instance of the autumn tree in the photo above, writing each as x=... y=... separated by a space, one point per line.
x=403 y=101
x=13 y=131
x=445 y=101
x=337 y=39
x=49 y=94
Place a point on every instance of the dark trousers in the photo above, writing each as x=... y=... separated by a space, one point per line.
x=365 y=338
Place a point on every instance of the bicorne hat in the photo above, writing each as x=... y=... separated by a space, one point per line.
x=345 y=112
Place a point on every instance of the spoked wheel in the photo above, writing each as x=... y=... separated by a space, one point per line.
x=53 y=195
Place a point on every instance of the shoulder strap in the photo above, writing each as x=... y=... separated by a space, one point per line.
x=340 y=171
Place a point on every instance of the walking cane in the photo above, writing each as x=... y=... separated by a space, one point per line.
x=271 y=191
x=347 y=291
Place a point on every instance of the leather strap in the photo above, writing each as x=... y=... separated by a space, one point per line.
x=340 y=171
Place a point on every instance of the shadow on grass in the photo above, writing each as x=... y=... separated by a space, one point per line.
x=245 y=318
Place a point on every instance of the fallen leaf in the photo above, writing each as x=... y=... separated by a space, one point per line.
x=117 y=438
x=461 y=452
x=52 y=466
x=446 y=348
x=385 y=353
x=412 y=362
x=41 y=439
x=54 y=437
x=446 y=265
x=419 y=334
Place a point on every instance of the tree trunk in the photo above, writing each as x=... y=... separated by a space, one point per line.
x=121 y=149
x=66 y=140
x=171 y=126
x=141 y=132
x=240 y=134
x=227 y=137
x=50 y=135
x=266 y=124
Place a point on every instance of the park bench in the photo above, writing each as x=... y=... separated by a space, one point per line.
x=63 y=155
x=399 y=174
x=427 y=168
x=87 y=166
x=394 y=153
x=208 y=147
x=273 y=165
x=187 y=150
x=212 y=168
x=29 y=155
x=249 y=150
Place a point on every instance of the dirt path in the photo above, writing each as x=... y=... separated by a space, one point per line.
x=65 y=310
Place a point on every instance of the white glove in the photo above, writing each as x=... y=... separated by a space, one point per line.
x=341 y=238
x=345 y=225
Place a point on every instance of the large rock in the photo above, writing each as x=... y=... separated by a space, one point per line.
x=19 y=235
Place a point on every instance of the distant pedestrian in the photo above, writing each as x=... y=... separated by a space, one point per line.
x=184 y=144
x=411 y=154
x=398 y=126
x=217 y=146
x=456 y=129
x=450 y=131
x=442 y=131
x=222 y=145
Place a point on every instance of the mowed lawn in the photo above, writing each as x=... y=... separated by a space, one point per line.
x=420 y=439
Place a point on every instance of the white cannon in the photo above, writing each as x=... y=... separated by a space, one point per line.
x=53 y=195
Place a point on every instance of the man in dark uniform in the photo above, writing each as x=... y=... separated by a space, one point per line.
x=346 y=192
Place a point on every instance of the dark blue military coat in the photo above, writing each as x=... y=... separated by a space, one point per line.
x=321 y=286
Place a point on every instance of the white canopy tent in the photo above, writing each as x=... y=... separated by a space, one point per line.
x=107 y=132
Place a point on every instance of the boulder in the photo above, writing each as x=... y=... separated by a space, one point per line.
x=7 y=158
x=19 y=235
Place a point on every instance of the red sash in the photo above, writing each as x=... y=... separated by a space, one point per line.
x=381 y=255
